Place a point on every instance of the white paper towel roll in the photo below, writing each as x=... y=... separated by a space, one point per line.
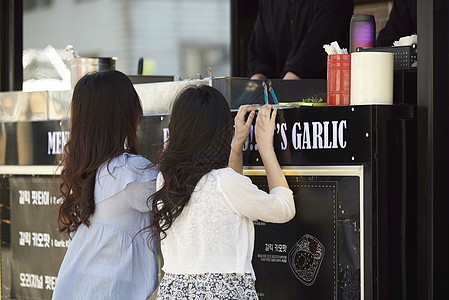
x=371 y=78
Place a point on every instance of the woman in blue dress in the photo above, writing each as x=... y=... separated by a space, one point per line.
x=105 y=185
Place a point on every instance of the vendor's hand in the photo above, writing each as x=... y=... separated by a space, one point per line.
x=258 y=76
x=242 y=127
x=291 y=76
x=264 y=130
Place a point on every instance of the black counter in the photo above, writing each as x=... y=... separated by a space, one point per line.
x=351 y=169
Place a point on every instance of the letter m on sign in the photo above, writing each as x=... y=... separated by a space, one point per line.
x=51 y=142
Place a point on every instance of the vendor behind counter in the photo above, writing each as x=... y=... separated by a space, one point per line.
x=289 y=35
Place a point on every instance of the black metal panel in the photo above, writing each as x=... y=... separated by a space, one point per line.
x=437 y=144
x=11 y=45
x=5 y=234
x=405 y=86
x=370 y=237
x=303 y=136
x=377 y=137
x=9 y=138
x=137 y=79
x=433 y=133
x=151 y=134
x=393 y=197
x=243 y=17
x=319 y=135
x=316 y=255
x=357 y=124
x=37 y=248
x=35 y=143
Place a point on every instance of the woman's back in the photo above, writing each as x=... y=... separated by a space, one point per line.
x=203 y=211
x=107 y=260
x=215 y=229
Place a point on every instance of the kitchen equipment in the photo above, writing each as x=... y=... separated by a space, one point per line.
x=81 y=66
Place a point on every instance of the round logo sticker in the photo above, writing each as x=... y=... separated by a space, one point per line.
x=305 y=259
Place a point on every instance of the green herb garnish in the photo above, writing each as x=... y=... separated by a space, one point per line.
x=313 y=99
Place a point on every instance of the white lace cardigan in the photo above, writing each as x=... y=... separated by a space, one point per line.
x=215 y=231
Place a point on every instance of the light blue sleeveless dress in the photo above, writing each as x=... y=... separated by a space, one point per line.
x=107 y=260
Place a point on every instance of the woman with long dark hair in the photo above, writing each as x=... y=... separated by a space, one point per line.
x=204 y=208
x=104 y=188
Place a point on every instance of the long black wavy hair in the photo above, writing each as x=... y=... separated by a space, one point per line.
x=200 y=135
x=105 y=112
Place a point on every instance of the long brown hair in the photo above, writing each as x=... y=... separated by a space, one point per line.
x=105 y=112
x=200 y=134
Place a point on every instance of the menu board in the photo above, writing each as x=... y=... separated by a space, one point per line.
x=37 y=249
x=316 y=255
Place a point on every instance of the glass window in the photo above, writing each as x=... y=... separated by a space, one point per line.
x=174 y=35
x=29 y=5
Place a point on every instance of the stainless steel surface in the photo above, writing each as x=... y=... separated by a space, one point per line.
x=55 y=105
x=59 y=104
x=69 y=48
x=80 y=66
x=156 y=97
x=23 y=106
x=34 y=106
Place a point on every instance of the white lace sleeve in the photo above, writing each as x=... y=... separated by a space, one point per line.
x=246 y=199
x=138 y=193
x=159 y=181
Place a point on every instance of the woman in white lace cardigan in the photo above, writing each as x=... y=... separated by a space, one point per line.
x=204 y=208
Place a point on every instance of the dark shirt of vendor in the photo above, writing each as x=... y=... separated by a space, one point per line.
x=288 y=37
x=402 y=22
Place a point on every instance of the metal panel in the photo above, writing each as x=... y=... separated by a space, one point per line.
x=343 y=242
x=23 y=106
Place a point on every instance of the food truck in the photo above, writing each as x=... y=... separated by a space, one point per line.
x=348 y=167
x=368 y=180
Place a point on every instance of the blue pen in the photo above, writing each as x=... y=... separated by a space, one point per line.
x=272 y=93
x=265 y=93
